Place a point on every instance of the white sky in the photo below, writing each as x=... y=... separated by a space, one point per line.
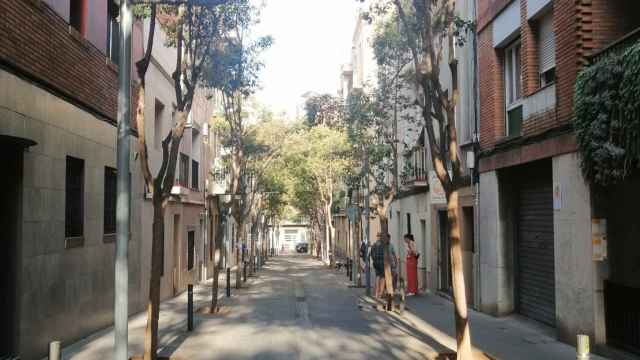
x=312 y=38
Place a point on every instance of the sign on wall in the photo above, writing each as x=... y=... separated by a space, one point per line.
x=436 y=191
x=599 y=239
x=557 y=196
x=219 y=181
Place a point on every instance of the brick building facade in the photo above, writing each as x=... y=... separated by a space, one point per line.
x=535 y=223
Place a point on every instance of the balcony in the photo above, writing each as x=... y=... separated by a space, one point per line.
x=417 y=179
x=414 y=174
x=617 y=47
x=540 y=102
x=179 y=188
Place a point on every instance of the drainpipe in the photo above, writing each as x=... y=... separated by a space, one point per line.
x=475 y=173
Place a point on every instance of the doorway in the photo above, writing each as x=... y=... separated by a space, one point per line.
x=176 y=254
x=424 y=250
x=444 y=258
x=10 y=208
x=468 y=251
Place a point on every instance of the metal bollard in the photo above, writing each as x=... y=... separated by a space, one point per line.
x=190 y=307
x=582 y=348
x=228 y=282
x=244 y=272
x=402 y=296
x=54 y=350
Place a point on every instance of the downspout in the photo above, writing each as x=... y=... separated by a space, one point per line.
x=475 y=176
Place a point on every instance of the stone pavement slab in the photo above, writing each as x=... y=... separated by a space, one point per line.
x=172 y=325
x=510 y=337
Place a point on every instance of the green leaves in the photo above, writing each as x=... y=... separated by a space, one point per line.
x=324 y=109
x=607 y=123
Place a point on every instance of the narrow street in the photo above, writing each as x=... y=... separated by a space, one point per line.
x=295 y=308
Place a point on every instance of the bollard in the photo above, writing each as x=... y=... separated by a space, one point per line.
x=582 y=348
x=54 y=350
x=228 y=282
x=244 y=272
x=190 y=307
x=402 y=296
x=350 y=270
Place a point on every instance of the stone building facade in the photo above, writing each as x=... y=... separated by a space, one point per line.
x=58 y=100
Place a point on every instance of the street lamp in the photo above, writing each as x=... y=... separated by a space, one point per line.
x=123 y=208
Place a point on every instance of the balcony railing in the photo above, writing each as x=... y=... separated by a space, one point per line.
x=617 y=47
x=417 y=177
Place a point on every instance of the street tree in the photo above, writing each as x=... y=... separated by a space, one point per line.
x=371 y=118
x=193 y=31
x=264 y=144
x=431 y=31
x=324 y=109
x=320 y=159
x=234 y=73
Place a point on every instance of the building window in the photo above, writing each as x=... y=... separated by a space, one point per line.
x=77 y=15
x=110 y=196
x=113 y=31
x=157 y=125
x=195 y=184
x=409 y=224
x=191 y=248
x=183 y=175
x=546 y=50
x=74 y=197
x=513 y=88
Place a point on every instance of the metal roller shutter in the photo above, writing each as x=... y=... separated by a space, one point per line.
x=547 y=43
x=535 y=260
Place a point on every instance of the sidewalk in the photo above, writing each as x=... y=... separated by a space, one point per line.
x=505 y=338
x=172 y=325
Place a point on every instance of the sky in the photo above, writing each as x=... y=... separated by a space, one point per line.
x=312 y=39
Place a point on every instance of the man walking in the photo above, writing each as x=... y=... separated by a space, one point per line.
x=377 y=255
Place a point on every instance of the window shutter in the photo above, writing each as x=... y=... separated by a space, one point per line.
x=547 y=44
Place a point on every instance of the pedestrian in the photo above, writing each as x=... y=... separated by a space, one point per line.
x=410 y=245
x=412 y=264
x=377 y=255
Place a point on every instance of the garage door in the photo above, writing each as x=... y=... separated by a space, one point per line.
x=535 y=260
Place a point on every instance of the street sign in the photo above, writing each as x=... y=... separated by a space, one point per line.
x=436 y=190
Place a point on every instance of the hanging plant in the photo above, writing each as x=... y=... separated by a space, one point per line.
x=607 y=124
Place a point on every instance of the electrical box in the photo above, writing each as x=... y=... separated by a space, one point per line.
x=599 y=239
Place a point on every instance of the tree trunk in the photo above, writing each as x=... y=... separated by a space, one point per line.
x=357 y=236
x=153 y=306
x=238 y=250
x=330 y=248
x=216 y=264
x=463 y=333
x=252 y=256
x=384 y=233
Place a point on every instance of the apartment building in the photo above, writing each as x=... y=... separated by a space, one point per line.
x=58 y=105
x=187 y=252
x=536 y=252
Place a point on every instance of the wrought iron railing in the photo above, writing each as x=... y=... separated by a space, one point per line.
x=622 y=316
x=617 y=47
